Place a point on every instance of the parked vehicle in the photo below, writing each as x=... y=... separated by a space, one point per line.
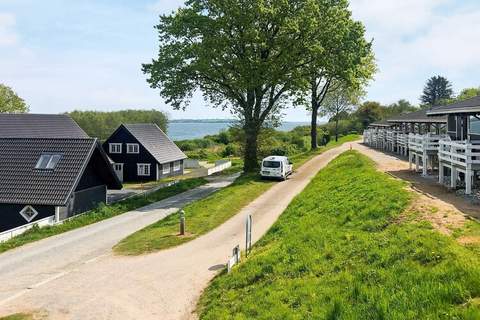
x=276 y=167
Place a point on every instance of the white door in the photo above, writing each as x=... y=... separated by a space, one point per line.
x=118 y=168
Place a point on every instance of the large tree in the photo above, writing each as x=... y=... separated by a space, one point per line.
x=10 y=101
x=340 y=101
x=341 y=56
x=436 y=90
x=244 y=55
x=369 y=112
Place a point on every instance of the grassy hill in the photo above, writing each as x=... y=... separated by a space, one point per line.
x=346 y=249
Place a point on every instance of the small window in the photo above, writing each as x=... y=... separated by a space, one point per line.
x=474 y=125
x=115 y=147
x=48 y=161
x=132 y=148
x=143 y=169
x=166 y=168
x=176 y=166
x=28 y=212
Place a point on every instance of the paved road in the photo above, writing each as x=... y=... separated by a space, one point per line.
x=163 y=285
x=33 y=265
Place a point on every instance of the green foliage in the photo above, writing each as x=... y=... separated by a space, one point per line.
x=10 y=101
x=18 y=316
x=102 y=124
x=206 y=214
x=436 y=90
x=101 y=213
x=340 y=251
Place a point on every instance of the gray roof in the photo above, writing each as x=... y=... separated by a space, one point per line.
x=419 y=116
x=27 y=125
x=157 y=143
x=468 y=106
x=21 y=183
x=380 y=124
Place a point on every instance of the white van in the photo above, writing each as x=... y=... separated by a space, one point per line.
x=276 y=167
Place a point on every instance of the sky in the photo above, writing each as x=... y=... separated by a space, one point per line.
x=62 y=55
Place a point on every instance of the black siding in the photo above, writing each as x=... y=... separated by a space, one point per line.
x=130 y=161
x=11 y=217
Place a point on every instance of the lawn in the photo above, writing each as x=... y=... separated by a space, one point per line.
x=206 y=214
x=18 y=316
x=101 y=213
x=345 y=248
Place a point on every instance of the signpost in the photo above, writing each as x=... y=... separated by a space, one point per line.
x=248 y=234
x=234 y=259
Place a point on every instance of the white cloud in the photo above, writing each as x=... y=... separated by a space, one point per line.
x=8 y=36
x=415 y=39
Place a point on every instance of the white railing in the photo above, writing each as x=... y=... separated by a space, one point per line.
x=219 y=166
x=7 y=235
x=460 y=153
x=422 y=143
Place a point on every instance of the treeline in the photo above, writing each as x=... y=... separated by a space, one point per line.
x=229 y=143
x=102 y=124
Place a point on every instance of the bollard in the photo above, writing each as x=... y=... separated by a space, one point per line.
x=182 y=222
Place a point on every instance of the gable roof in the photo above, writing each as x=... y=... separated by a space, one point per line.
x=419 y=116
x=157 y=143
x=471 y=105
x=28 y=125
x=21 y=183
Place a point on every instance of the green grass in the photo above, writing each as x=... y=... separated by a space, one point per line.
x=343 y=249
x=101 y=213
x=18 y=316
x=206 y=214
x=201 y=217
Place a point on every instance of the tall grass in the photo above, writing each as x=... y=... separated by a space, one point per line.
x=343 y=250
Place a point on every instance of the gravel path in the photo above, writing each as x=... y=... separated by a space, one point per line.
x=163 y=285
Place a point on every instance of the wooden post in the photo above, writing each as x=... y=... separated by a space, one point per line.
x=417 y=163
x=468 y=180
x=182 y=222
x=410 y=160
x=440 y=172
x=424 y=163
x=453 y=178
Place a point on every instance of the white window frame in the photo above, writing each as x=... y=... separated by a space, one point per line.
x=52 y=160
x=141 y=173
x=135 y=146
x=176 y=166
x=29 y=219
x=166 y=168
x=118 y=164
x=112 y=147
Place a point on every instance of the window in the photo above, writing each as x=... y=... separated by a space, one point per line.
x=176 y=166
x=452 y=124
x=272 y=164
x=143 y=169
x=28 y=212
x=118 y=166
x=474 y=125
x=132 y=148
x=166 y=168
x=115 y=147
x=48 y=161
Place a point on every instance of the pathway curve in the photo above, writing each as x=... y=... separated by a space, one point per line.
x=163 y=285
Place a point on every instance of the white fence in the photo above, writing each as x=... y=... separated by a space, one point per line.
x=7 y=235
x=460 y=153
x=219 y=166
x=422 y=143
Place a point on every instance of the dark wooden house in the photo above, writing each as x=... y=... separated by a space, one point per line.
x=143 y=152
x=49 y=168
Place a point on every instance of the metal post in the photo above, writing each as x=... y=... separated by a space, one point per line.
x=182 y=222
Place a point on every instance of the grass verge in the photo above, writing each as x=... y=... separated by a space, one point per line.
x=344 y=249
x=18 y=316
x=206 y=214
x=101 y=213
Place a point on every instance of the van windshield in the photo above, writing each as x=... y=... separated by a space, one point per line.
x=271 y=164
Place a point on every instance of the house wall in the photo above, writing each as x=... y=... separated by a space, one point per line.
x=11 y=217
x=130 y=161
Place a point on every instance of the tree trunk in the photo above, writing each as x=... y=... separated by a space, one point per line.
x=313 y=128
x=250 y=158
x=336 y=129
